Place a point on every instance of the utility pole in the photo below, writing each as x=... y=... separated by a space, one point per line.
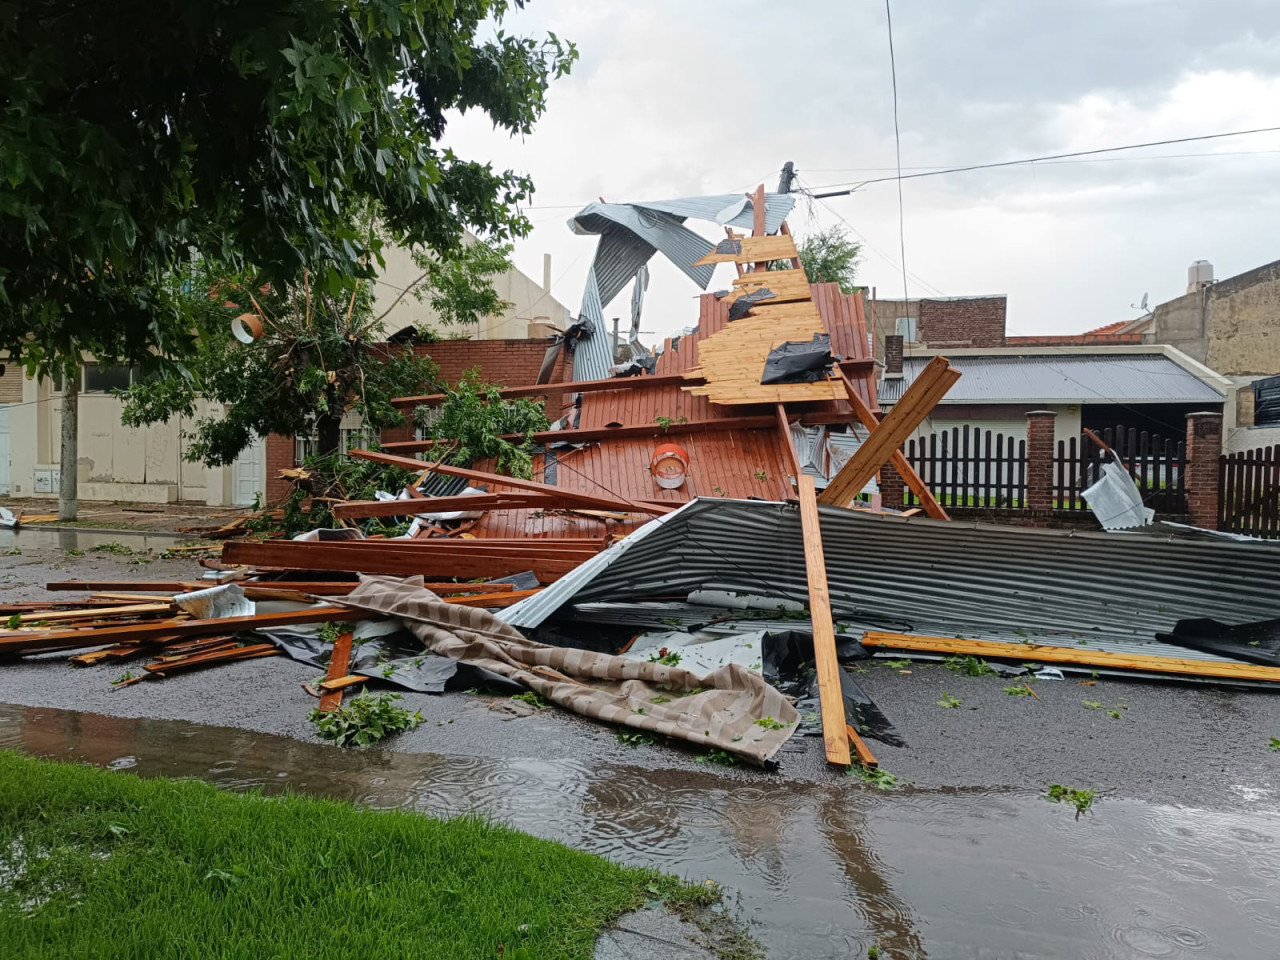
x=788 y=175
x=67 y=493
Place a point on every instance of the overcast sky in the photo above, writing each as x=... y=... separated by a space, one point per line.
x=681 y=98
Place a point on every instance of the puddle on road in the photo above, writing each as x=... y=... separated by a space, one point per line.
x=818 y=871
x=35 y=538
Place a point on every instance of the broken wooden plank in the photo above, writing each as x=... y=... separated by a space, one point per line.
x=899 y=459
x=583 y=499
x=878 y=449
x=493 y=599
x=1079 y=655
x=861 y=750
x=788 y=445
x=752 y=249
x=141 y=632
x=341 y=683
x=406 y=508
x=129 y=610
x=785 y=285
x=250 y=652
x=339 y=663
x=830 y=698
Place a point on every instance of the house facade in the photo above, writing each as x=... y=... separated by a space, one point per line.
x=147 y=464
x=1233 y=327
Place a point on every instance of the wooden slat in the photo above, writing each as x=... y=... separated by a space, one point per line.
x=130 y=610
x=907 y=414
x=785 y=285
x=834 y=734
x=788 y=444
x=586 y=500
x=494 y=599
x=341 y=683
x=339 y=662
x=861 y=750
x=1082 y=656
x=751 y=249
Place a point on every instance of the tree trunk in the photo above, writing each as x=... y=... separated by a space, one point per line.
x=67 y=497
x=328 y=435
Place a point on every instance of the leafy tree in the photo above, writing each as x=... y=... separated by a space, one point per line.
x=257 y=132
x=475 y=420
x=828 y=256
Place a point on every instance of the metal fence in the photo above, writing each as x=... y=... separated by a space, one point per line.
x=1249 y=492
x=971 y=467
x=1157 y=464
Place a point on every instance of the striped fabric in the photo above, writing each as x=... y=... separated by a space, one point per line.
x=722 y=713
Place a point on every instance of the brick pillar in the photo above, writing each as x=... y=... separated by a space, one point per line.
x=1040 y=439
x=280 y=456
x=892 y=488
x=892 y=355
x=1204 y=447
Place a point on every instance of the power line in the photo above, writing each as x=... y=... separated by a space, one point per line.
x=1158 y=156
x=1013 y=163
x=897 y=152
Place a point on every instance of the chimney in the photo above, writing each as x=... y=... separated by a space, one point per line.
x=546 y=272
x=892 y=355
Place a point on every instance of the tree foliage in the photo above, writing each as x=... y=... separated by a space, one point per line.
x=476 y=420
x=319 y=357
x=828 y=256
x=258 y=132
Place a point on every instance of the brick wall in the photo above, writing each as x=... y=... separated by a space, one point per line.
x=280 y=452
x=970 y=321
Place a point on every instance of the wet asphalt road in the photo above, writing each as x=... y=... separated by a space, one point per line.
x=1177 y=743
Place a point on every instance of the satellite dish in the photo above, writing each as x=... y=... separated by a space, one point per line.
x=1144 y=302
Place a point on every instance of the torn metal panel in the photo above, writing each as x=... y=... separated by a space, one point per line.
x=978 y=580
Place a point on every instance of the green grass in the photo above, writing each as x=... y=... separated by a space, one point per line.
x=96 y=864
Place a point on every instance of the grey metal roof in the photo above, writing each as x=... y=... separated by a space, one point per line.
x=1112 y=591
x=1066 y=378
x=631 y=233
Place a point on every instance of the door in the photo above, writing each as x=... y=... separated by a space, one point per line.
x=246 y=474
x=4 y=449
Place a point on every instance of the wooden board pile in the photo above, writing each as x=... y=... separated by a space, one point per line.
x=124 y=620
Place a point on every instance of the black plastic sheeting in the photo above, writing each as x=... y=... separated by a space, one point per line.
x=1255 y=642
x=799 y=362
x=787 y=663
x=739 y=307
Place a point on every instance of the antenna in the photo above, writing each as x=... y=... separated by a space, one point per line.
x=1141 y=306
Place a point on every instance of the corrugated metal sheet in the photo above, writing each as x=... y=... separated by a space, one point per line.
x=1114 y=591
x=630 y=234
x=1095 y=378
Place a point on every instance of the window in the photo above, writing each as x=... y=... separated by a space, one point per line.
x=1266 y=402
x=99 y=379
x=349 y=438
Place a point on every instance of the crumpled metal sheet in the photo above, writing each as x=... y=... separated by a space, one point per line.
x=631 y=233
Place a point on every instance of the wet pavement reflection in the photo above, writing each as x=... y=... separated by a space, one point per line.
x=816 y=870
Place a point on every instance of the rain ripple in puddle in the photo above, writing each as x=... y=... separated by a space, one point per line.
x=817 y=870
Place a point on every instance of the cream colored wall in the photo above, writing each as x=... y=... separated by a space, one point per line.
x=528 y=300
x=1067 y=424
x=110 y=455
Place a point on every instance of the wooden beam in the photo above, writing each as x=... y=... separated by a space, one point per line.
x=405 y=508
x=564 y=386
x=1079 y=655
x=860 y=748
x=339 y=663
x=795 y=261
x=788 y=447
x=140 y=632
x=899 y=459
x=878 y=449
x=480 y=476
x=322 y=588
x=293 y=555
x=606 y=433
x=758 y=221
x=834 y=734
